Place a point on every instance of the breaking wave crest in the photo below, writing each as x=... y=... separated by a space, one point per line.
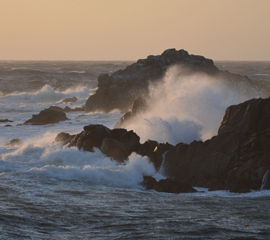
x=48 y=94
x=186 y=108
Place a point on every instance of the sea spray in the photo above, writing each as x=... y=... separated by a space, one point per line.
x=183 y=108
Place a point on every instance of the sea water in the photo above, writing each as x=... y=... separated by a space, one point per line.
x=50 y=191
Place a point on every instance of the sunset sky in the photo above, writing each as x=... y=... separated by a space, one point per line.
x=132 y=29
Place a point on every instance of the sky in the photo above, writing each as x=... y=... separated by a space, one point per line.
x=133 y=29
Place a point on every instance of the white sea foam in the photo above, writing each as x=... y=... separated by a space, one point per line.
x=48 y=94
x=185 y=108
x=70 y=164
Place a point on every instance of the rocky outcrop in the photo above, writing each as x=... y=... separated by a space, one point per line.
x=138 y=106
x=117 y=143
x=250 y=116
x=167 y=185
x=47 y=116
x=236 y=159
x=120 y=89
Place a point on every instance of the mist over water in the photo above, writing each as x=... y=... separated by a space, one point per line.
x=184 y=107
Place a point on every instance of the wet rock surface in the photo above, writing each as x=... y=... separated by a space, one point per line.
x=167 y=185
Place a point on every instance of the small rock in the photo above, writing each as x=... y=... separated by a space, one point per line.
x=14 y=142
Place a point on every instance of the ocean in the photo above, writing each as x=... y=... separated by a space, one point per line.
x=50 y=191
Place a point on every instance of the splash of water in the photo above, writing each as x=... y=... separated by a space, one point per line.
x=183 y=108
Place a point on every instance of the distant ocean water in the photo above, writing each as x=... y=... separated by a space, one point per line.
x=48 y=191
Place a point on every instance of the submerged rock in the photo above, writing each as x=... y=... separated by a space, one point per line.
x=167 y=185
x=5 y=120
x=73 y=99
x=14 y=142
x=47 y=116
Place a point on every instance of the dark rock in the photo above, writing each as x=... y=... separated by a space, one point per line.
x=238 y=187
x=5 y=120
x=119 y=90
x=47 y=116
x=167 y=185
x=250 y=116
x=8 y=125
x=73 y=99
x=232 y=157
x=14 y=142
x=149 y=182
x=117 y=133
x=157 y=157
x=65 y=138
x=114 y=149
x=147 y=148
x=56 y=108
x=138 y=106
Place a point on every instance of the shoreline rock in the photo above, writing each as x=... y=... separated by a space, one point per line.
x=235 y=160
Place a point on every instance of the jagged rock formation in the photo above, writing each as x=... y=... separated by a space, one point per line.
x=236 y=159
x=250 y=116
x=119 y=90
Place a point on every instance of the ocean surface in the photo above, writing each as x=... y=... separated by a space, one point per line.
x=49 y=191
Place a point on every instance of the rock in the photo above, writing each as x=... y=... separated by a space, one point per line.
x=5 y=120
x=119 y=90
x=56 y=108
x=65 y=138
x=167 y=185
x=147 y=148
x=219 y=163
x=114 y=149
x=149 y=182
x=238 y=187
x=139 y=105
x=8 y=125
x=117 y=143
x=73 y=99
x=250 y=116
x=94 y=134
x=14 y=142
x=47 y=116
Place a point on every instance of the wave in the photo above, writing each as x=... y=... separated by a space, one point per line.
x=186 y=108
x=48 y=94
x=68 y=164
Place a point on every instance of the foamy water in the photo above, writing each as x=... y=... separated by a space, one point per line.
x=50 y=191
